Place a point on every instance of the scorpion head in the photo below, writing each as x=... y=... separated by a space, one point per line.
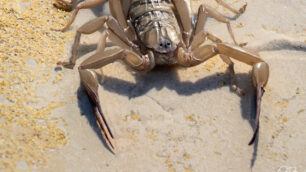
x=161 y=39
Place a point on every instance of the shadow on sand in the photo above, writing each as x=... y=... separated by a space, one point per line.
x=165 y=77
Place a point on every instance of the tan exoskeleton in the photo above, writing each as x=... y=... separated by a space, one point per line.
x=159 y=32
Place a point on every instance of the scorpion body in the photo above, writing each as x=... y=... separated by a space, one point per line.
x=159 y=32
x=156 y=27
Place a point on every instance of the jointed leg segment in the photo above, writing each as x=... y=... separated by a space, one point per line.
x=94 y=25
x=202 y=14
x=221 y=2
x=116 y=8
x=185 y=18
x=83 y=5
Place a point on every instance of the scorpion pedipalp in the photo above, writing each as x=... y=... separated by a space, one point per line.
x=89 y=80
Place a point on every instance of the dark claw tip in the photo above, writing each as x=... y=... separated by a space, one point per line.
x=254 y=136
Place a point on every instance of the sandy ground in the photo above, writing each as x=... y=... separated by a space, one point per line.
x=177 y=119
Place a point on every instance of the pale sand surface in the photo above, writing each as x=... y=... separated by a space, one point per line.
x=177 y=119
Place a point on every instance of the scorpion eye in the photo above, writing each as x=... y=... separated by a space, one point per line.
x=165 y=44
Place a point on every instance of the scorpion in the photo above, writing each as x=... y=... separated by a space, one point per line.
x=158 y=32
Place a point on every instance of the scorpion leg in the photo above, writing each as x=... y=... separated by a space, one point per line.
x=203 y=11
x=187 y=59
x=230 y=63
x=63 y=4
x=119 y=11
x=88 y=28
x=184 y=14
x=260 y=74
x=241 y=10
x=201 y=20
x=94 y=25
x=233 y=78
x=83 y=5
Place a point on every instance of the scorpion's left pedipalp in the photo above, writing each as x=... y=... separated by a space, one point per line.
x=90 y=81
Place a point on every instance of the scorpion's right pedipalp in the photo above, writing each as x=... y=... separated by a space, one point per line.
x=260 y=74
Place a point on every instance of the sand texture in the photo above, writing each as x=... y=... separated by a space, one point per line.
x=169 y=119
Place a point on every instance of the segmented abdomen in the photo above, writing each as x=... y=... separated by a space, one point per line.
x=147 y=14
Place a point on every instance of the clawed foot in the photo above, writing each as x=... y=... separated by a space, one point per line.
x=65 y=5
x=243 y=44
x=59 y=30
x=242 y=9
x=66 y=64
x=238 y=90
x=233 y=80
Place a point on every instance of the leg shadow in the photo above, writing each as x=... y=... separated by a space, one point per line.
x=248 y=110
